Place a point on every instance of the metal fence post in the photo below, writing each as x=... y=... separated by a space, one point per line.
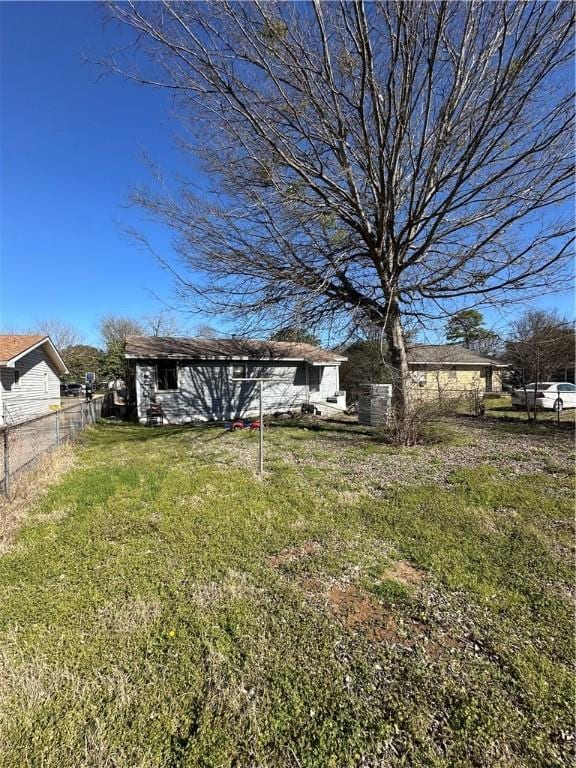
x=57 y=429
x=6 y=463
x=81 y=416
x=261 y=431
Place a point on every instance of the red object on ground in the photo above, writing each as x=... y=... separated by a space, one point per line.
x=237 y=425
x=255 y=425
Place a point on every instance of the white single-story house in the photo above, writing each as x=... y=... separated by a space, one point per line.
x=445 y=367
x=30 y=370
x=198 y=379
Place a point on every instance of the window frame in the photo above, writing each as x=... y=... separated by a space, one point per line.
x=315 y=386
x=242 y=367
x=166 y=363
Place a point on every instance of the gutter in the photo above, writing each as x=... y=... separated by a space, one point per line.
x=237 y=357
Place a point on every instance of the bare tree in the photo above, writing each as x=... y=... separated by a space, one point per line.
x=114 y=328
x=62 y=335
x=163 y=323
x=376 y=160
x=541 y=344
x=205 y=331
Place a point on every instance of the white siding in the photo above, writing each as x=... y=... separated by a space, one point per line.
x=37 y=392
x=206 y=390
x=330 y=382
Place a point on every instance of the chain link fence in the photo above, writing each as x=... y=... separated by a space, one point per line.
x=22 y=445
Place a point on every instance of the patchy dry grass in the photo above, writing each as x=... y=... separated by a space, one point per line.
x=363 y=606
x=28 y=490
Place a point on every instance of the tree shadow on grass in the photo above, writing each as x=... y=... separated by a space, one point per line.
x=326 y=426
x=110 y=432
x=519 y=425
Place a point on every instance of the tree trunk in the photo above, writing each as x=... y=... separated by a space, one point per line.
x=399 y=365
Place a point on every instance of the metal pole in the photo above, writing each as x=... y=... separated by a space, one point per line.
x=6 y=464
x=81 y=416
x=261 y=432
x=57 y=428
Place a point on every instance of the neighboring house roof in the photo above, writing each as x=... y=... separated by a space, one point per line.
x=449 y=354
x=146 y=347
x=15 y=346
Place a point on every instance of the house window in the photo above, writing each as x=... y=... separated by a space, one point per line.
x=314 y=378
x=452 y=374
x=16 y=377
x=300 y=375
x=166 y=375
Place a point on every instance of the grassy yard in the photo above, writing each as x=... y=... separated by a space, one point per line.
x=361 y=606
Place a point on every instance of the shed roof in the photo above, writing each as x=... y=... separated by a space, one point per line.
x=14 y=346
x=449 y=354
x=146 y=347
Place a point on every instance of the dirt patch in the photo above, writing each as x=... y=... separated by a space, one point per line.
x=359 y=611
x=405 y=573
x=442 y=644
x=302 y=552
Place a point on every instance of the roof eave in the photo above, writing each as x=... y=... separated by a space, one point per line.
x=479 y=364
x=52 y=351
x=173 y=356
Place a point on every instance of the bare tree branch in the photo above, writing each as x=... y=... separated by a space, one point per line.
x=374 y=161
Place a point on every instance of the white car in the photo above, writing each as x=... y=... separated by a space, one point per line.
x=549 y=394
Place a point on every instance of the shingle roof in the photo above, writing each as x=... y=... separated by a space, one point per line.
x=449 y=354
x=12 y=345
x=142 y=347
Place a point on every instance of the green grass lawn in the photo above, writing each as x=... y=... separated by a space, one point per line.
x=360 y=606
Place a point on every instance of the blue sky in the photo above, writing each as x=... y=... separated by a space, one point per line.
x=72 y=147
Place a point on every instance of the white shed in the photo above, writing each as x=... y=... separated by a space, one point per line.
x=30 y=370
